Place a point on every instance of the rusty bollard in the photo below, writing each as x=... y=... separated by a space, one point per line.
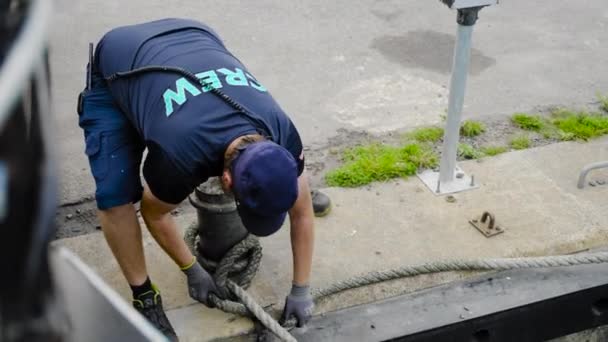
x=219 y=224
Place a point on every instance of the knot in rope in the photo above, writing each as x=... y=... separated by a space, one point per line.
x=237 y=267
x=233 y=274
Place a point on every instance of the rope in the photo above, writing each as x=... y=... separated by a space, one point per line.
x=461 y=265
x=224 y=274
x=240 y=263
x=252 y=251
x=232 y=275
x=248 y=248
x=260 y=314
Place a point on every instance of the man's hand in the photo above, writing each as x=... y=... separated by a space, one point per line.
x=200 y=284
x=298 y=304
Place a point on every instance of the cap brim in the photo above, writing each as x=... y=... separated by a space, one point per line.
x=260 y=225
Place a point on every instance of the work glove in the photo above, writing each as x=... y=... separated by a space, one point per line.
x=200 y=284
x=298 y=304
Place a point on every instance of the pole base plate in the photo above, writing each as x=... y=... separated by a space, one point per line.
x=461 y=182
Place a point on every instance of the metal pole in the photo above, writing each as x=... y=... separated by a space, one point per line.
x=450 y=178
x=462 y=54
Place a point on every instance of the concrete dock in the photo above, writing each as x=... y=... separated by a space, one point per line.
x=532 y=194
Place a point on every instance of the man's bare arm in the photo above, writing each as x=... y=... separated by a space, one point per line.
x=302 y=233
x=160 y=223
x=299 y=303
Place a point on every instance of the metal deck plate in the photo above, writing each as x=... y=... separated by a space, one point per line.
x=430 y=178
x=487 y=225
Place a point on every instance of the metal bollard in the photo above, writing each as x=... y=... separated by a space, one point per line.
x=219 y=224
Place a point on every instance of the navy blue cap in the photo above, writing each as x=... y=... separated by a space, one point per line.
x=265 y=185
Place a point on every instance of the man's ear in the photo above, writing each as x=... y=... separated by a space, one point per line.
x=226 y=180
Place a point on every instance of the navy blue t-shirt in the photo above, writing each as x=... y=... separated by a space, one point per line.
x=187 y=128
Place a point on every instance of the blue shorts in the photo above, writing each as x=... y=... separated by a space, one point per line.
x=113 y=147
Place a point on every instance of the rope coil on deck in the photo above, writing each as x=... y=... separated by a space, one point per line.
x=250 y=308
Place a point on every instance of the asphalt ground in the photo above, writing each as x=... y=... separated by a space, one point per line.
x=342 y=66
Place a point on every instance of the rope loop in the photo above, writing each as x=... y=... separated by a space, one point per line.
x=233 y=274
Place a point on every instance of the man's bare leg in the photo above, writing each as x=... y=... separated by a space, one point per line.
x=123 y=234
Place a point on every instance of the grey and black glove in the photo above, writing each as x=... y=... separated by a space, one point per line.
x=298 y=304
x=200 y=283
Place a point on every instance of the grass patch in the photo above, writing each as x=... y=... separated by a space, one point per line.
x=379 y=162
x=467 y=151
x=470 y=128
x=528 y=122
x=580 y=125
x=603 y=102
x=566 y=136
x=493 y=150
x=426 y=134
x=520 y=142
x=550 y=131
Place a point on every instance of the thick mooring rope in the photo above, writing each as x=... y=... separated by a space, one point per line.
x=224 y=273
x=251 y=308
x=233 y=274
x=260 y=314
x=502 y=264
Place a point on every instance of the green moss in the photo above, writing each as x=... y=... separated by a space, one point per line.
x=493 y=150
x=379 y=162
x=549 y=131
x=563 y=113
x=426 y=134
x=580 y=125
x=467 y=151
x=470 y=128
x=566 y=136
x=528 y=122
x=520 y=142
x=603 y=102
